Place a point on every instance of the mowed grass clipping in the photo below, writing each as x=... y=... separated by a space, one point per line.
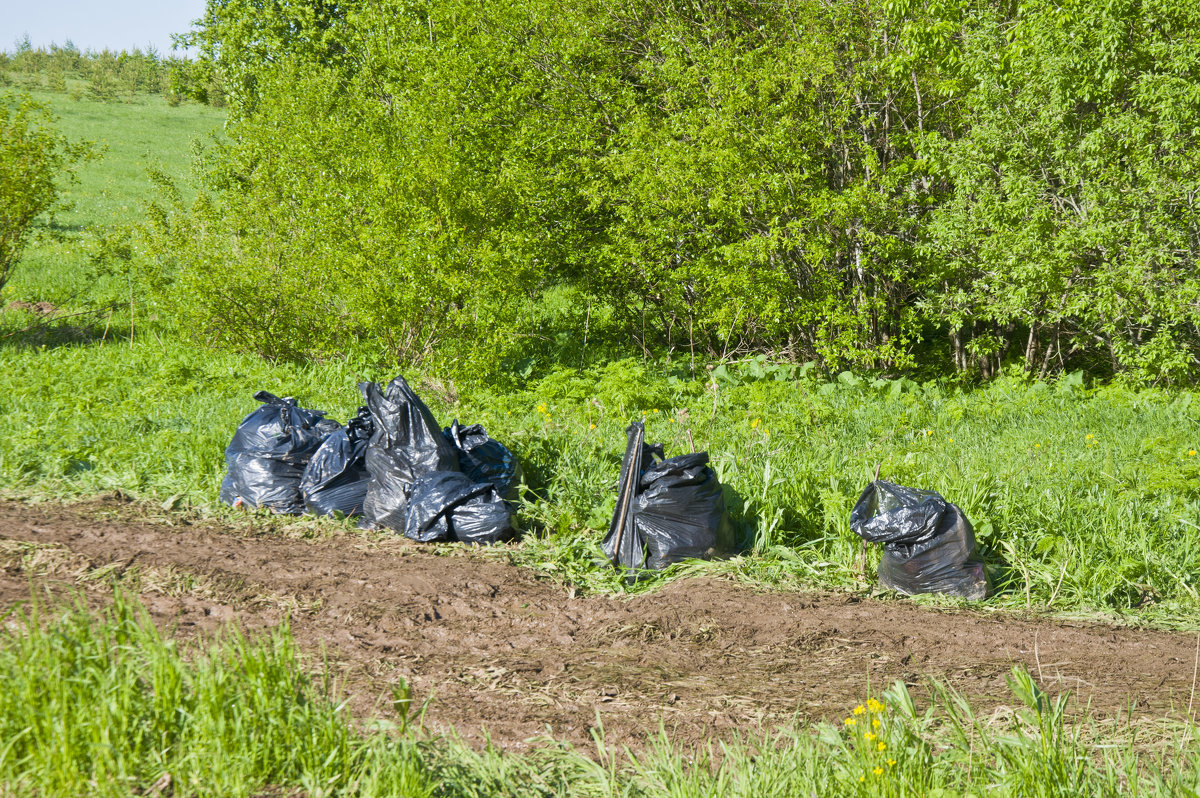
x=103 y=704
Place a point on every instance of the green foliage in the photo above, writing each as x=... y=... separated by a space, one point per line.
x=940 y=186
x=107 y=706
x=109 y=75
x=35 y=164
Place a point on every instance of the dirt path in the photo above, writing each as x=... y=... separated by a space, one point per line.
x=494 y=646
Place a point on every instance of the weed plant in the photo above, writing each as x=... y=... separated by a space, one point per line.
x=104 y=704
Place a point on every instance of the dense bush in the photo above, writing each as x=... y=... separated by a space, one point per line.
x=952 y=184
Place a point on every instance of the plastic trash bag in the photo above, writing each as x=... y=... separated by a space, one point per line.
x=667 y=511
x=928 y=544
x=406 y=443
x=268 y=454
x=484 y=459
x=448 y=505
x=335 y=479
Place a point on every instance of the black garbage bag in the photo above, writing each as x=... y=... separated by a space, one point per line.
x=449 y=505
x=406 y=443
x=268 y=453
x=667 y=511
x=928 y=543
x=335 y=479
x=485 y=460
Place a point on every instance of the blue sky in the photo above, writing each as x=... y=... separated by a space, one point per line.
x=96 y=24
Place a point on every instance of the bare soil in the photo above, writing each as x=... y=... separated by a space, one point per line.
x=498 y=651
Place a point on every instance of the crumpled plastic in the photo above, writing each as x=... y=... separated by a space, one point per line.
x=928 y=543
x=667 y=511
x=266 y=459
x=335 y=479
x=406 y=444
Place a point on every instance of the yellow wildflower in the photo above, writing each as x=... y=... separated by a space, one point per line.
x=875 y=706
x=862 y=778
x=951 y=440
x=1191 y=452
x=869 y=736
x=858 y=710
x=591 y=426
x=1037 y=446
x=928 y=433
x=882 y=746
x=875 y=723
x=891 y=762
x=656 y=410
x=850 y=721
x=1089 y=437
x=754 y=424
x=878 y=771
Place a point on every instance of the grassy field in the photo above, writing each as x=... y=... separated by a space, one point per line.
x=130 y=137
x=1086 y=501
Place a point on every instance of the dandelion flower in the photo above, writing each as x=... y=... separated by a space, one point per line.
x=928 y=433
x=950 y=439
x=1191 y=452
x=591 y=426
x=1037 y=446
x=656 y=410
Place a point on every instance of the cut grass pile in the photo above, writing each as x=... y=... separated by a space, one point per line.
x=103 y=704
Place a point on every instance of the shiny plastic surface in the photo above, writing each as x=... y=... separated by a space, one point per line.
x=928 y=543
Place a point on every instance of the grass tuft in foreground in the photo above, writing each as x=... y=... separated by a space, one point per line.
x=104 y=704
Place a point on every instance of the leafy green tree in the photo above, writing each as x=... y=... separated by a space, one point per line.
x=35 y=162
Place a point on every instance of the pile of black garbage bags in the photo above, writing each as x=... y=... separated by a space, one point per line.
x=395 y=467
x=392 y=464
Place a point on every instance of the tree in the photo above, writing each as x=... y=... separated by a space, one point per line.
x=35 y=162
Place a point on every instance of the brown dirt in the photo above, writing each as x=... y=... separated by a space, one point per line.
x=494 y=647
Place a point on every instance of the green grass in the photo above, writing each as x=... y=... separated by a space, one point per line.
x=104 y=704
x=130 y=137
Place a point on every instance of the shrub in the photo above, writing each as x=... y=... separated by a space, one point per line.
x=34 y=163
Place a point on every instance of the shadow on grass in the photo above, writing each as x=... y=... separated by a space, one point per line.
x=42 y=326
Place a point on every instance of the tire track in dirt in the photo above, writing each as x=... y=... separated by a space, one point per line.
x=493 y=646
